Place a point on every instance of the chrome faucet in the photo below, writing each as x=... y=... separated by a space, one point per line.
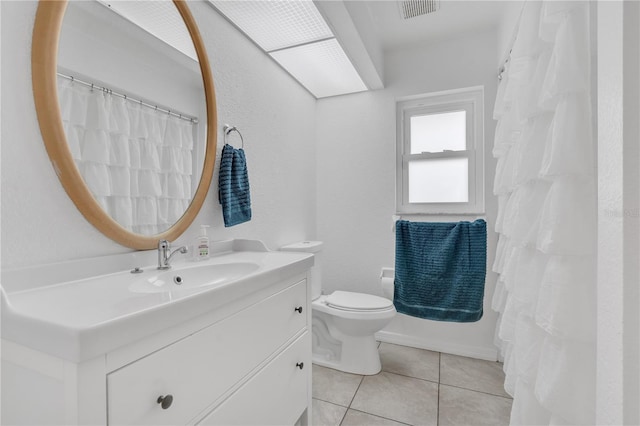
x=164 y=248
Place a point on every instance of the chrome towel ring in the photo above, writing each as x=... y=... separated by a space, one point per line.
x=228 y=129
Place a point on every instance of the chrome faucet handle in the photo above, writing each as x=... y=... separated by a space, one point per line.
x=163 y=258
x=165 y=254
x=183 y=250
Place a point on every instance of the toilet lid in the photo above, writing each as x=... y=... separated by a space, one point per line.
x=357 y=301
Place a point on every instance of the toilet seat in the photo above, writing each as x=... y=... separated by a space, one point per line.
x=350 y=301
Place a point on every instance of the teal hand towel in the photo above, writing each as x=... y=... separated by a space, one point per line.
x=233 y=186
x=440 y=270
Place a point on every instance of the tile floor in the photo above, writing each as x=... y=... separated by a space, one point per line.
x=415 y=387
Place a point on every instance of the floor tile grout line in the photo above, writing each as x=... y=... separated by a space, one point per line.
x=414 y=377
x=439 y=384
x=399 y=375
x=478 y=391
x=351 y=402
x=462 y=387
x=439 y=381
x=343 y=416
x=356 y=392
x=379 y=416
x=329 y=402
x=438 y=407
x=410 y=377
x=439 y=376
x=338 y=405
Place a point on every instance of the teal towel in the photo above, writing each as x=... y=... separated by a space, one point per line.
x=440 y=270
x=233 y=186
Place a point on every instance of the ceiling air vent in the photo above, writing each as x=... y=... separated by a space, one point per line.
x=413 y=8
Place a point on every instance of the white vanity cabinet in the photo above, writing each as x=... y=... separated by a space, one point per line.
x=277 y=394
x=247 y=362
x=202 y=368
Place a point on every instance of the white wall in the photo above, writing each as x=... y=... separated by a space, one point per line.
x=108 y=49
x=618 y=375
x=356 y=181
x=275 y=115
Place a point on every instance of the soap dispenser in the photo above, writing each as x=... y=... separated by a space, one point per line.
x=202 y=244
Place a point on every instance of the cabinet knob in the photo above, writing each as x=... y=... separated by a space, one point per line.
x=165 y=401
x=298 y=309
x=300 y=365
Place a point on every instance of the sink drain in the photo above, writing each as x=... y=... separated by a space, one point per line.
x=177 y=279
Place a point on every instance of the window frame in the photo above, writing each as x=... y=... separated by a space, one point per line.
x=470 y=100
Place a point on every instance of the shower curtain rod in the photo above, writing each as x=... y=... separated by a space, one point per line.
x=123 y=96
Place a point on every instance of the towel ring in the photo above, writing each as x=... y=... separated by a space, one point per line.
x=228 y=129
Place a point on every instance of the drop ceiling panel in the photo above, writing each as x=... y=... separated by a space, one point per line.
x=276 y=24
x=323 y=68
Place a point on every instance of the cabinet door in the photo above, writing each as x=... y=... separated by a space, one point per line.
x=277 y=395
x=201 y=368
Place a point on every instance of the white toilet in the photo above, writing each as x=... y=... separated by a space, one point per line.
x=344 y=323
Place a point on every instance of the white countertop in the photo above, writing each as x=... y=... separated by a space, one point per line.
x=83 y=318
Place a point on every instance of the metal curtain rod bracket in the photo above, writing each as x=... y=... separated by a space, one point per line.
x=228 y=129
x=126 y=97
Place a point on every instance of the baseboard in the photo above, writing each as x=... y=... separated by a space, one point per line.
x=489 y=354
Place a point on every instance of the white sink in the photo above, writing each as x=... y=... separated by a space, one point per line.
x=81 y=309
x=192 y=277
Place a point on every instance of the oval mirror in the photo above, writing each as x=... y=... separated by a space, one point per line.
x=128 y=120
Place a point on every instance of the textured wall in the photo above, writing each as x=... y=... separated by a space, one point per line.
x=356 y=179
x=276 y=116
x=618 y=377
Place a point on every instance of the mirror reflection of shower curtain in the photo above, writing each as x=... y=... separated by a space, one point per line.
x=136 y=161
x=546 y=185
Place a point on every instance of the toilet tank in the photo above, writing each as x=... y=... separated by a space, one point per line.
x=314 y=247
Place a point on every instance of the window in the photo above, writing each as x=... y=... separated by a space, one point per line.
x=440 y=153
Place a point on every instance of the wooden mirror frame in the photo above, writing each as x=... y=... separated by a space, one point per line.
x=44 y=60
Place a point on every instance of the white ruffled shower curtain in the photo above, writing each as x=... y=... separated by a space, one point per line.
x=546 y=185
x=136 y=161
